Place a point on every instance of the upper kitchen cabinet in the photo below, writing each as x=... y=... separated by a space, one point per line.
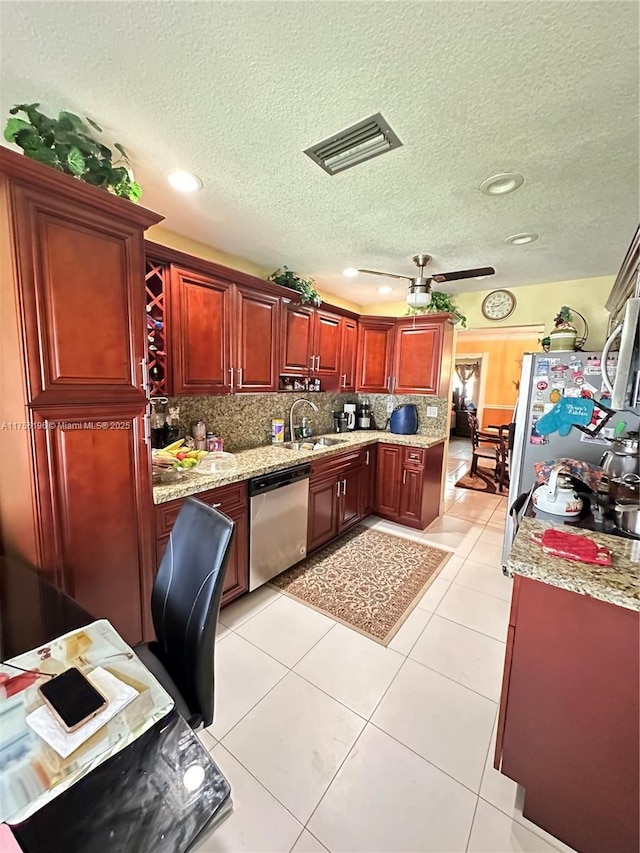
x=417 y=357
x=326 y=346
x=78 y=268
x=200 y=340
x=298 y=338
x=375 y=355
x=257 y=332
x=348 y=353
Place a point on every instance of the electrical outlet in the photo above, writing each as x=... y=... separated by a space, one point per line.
x=390 y=406
x=432 y=411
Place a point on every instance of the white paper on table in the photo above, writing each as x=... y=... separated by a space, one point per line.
x=44 y=724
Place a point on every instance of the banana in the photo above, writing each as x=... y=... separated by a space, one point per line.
x=174 y=446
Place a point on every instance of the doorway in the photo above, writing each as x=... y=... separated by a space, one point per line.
x=468 y=383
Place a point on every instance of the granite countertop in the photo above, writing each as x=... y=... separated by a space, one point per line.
x=617 y=584
x=263 y=460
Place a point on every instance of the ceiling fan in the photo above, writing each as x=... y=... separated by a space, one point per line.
x=419 y=291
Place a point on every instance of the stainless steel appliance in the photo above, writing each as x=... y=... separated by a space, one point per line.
x=545 y=377
x=363 y=418
x=622 y=458
x=339 y=422
x=279 y=505
x=625 y=388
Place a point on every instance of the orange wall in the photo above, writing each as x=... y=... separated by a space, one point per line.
x=502 y=365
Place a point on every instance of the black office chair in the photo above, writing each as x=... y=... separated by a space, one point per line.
x=185 y=602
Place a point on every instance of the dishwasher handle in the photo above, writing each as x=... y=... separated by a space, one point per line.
x=279 y=479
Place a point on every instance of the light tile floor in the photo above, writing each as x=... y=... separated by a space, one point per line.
x=332 y=742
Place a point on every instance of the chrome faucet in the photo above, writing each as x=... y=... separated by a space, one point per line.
x=301 y=400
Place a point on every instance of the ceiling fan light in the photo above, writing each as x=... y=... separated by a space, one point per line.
x=418 y=296
x=350 y=272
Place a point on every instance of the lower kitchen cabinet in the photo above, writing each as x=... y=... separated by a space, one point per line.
x=568 y=720
x=409 y=484
x=232 y=501
x=368 y=490
x=335 y=496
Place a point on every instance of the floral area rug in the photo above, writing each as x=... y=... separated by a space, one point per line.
x=367 y=579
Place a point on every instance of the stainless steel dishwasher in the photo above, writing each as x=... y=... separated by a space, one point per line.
x=279 y=511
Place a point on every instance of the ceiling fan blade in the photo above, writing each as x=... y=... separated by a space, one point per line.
x=454 y=276
x=386 y=274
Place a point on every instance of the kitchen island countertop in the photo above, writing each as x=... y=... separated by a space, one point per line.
x=617 y=584
x=263 y=460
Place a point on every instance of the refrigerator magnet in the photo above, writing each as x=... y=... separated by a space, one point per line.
x=542 y=385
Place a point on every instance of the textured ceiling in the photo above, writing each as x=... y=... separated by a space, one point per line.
x=234 y=91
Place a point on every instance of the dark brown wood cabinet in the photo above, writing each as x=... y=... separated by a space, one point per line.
x=335 y=496
x=375 y=355
x=326 y=346
x=257 y=340
x=232 y=501
x=369 y=479
x=417 y=357
x=75 y=499
x=409 y=484
x=348 y=354
x=201 y=312
x=568 y=720
x=297 y=344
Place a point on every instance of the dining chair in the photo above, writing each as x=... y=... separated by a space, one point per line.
x=185 y=602
x=484 y=445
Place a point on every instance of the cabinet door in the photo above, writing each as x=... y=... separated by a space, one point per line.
x=368 y=481
x=375 y=352
x=326 y=344
x=348 y=352
x=411 y=496
x=297 y=339
x=96 y=513
x=236 y=580
x=350 y=498
x=201 y=333
x=82 y=301
x=257 y=330
x=323 y=512
x=388 y=478
x=417 y=357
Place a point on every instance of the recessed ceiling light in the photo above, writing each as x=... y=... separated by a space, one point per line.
x=385 y=289
x=506 y=182
x=350 y=272
x=522 y=239
x=186 y=182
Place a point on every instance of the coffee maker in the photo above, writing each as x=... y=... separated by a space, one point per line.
x=363 y=417
x=350 y=412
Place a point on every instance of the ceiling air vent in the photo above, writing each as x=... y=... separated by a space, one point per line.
x=357 y=143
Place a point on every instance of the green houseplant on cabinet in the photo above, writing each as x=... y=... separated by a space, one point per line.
x=305 y=287
x=65 y=144
x=440 y=303
x=563 y=337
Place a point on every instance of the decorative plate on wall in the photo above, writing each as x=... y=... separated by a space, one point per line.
x=498 y=305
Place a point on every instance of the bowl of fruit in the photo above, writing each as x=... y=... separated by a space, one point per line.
x=173 y=462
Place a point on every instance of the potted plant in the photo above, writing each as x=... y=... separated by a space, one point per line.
x=305 y=287
x=563 y=337
x=65 y=144
x=440 y=303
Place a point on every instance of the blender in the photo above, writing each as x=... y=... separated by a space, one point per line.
x=363 y=419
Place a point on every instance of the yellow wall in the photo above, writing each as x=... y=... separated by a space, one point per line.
x=501 y=367
x=539 y=303
x=201 y=250
x=536 y=303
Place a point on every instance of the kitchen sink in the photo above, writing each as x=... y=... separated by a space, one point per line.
x=312 y=443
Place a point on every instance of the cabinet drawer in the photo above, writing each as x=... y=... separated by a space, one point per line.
x=225 y=496
x=414 y=455
x=337 y=464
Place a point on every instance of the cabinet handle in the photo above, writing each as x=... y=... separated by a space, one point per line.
x=215 y=506
x=231 y=372
x=344 y=380
x=313 y=362
x=404 y=476
x=318 y=364
x=389 y=383
x=367 y=462
x=145 y=376
x=344 y=487
x=338 y=489
x=146 y=422
x=239 y=377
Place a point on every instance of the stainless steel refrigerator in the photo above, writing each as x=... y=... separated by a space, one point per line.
x=545 y=378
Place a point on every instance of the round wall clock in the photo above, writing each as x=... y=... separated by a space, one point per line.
x=498 y=305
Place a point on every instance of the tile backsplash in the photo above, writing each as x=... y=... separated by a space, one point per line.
x=244 y=420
